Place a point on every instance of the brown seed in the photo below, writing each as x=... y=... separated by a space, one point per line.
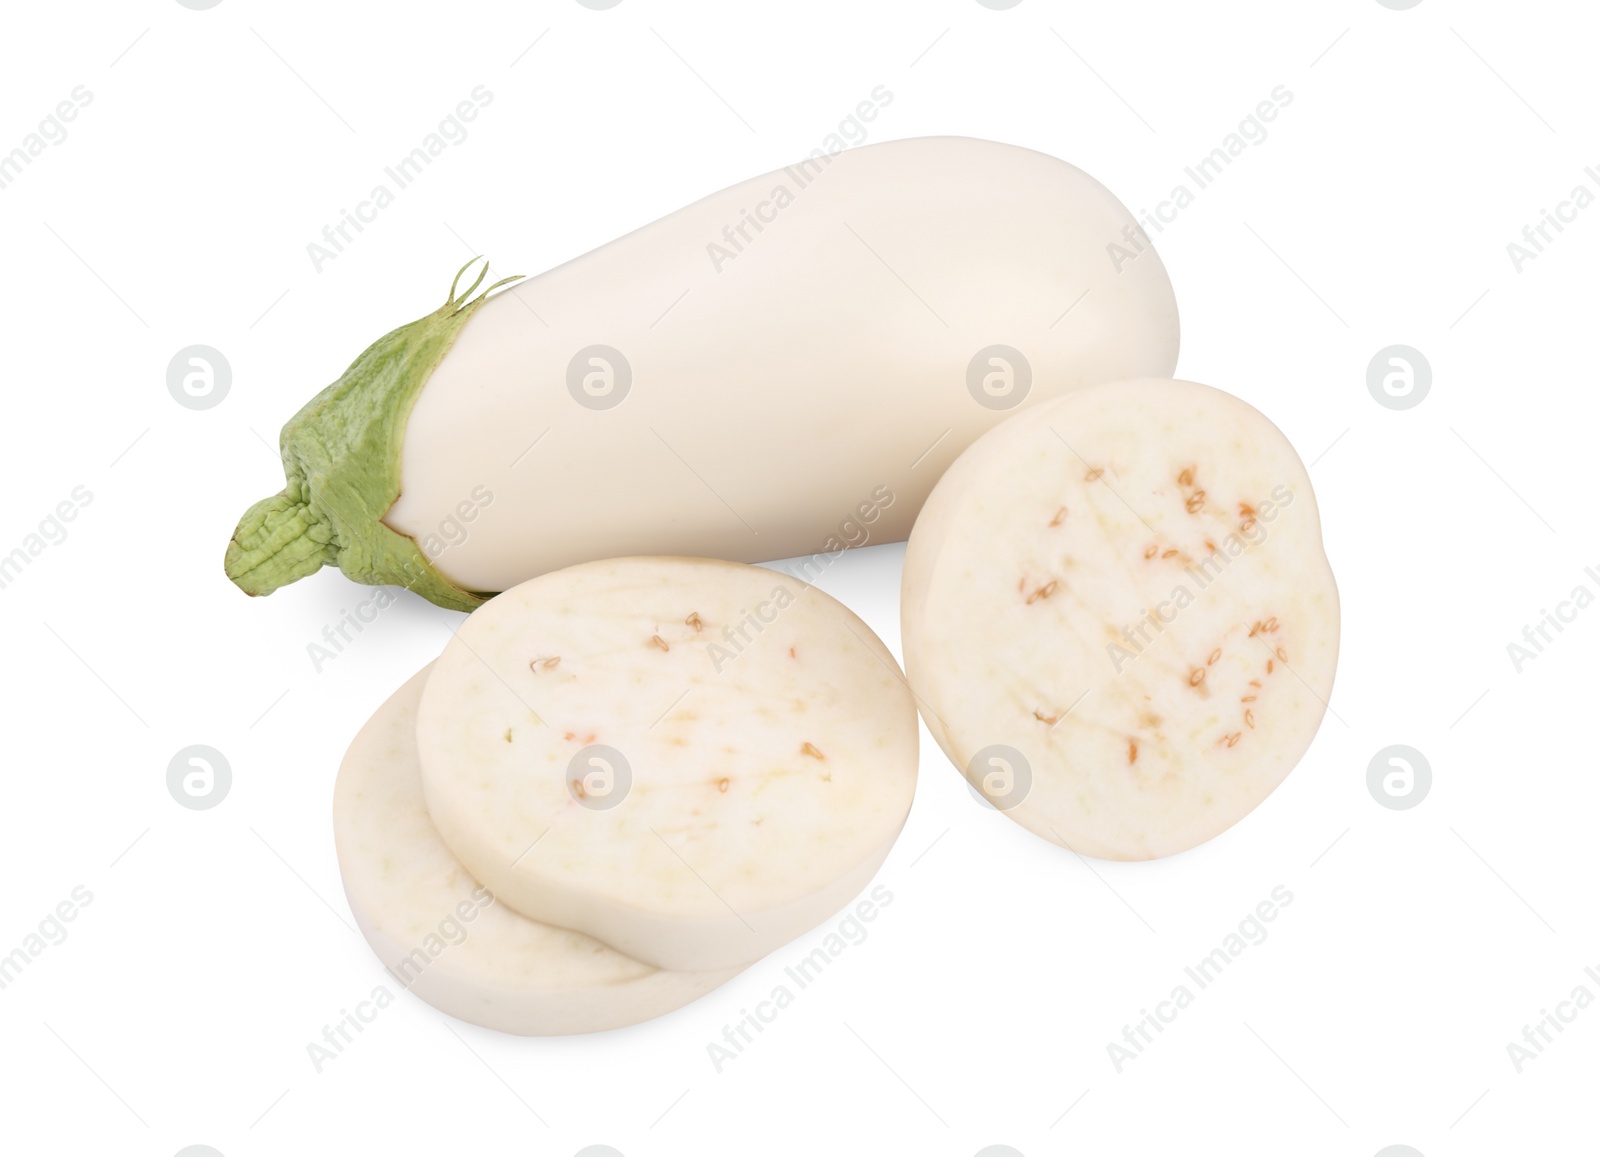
x=1043 y=592
x=722 y=784
x=577 y=789
x=1197 y=676
x=1050 y=719
x=1187 y=477
x=1093 y=474
x=1269 y=666
x=508 y=735
x=1215 y=655
x=1169 y=553
x=1249 y=719
x=1271 y=624
x=791 y=652
x=1282 y=654
x=694 y=621
x=660 y=642
x=811 y=750
x=1133 y=751
x=1150 y=552
x=1060 y=517
x=1234 y=738
x=1248 y=699
x=1195 y=502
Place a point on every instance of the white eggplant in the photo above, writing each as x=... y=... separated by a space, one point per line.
x=782 y=368
x=690 y=760
x=1118 y=618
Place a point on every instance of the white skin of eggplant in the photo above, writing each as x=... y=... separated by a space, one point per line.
x=1133 y=763
x=408 y=893
x=776 y=396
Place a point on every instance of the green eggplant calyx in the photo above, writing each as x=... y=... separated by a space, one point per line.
x=341 y=459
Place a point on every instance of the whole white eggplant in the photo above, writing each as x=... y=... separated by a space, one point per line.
x=783 y=368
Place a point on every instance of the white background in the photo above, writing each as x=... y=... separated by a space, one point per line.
x=1377 y=211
